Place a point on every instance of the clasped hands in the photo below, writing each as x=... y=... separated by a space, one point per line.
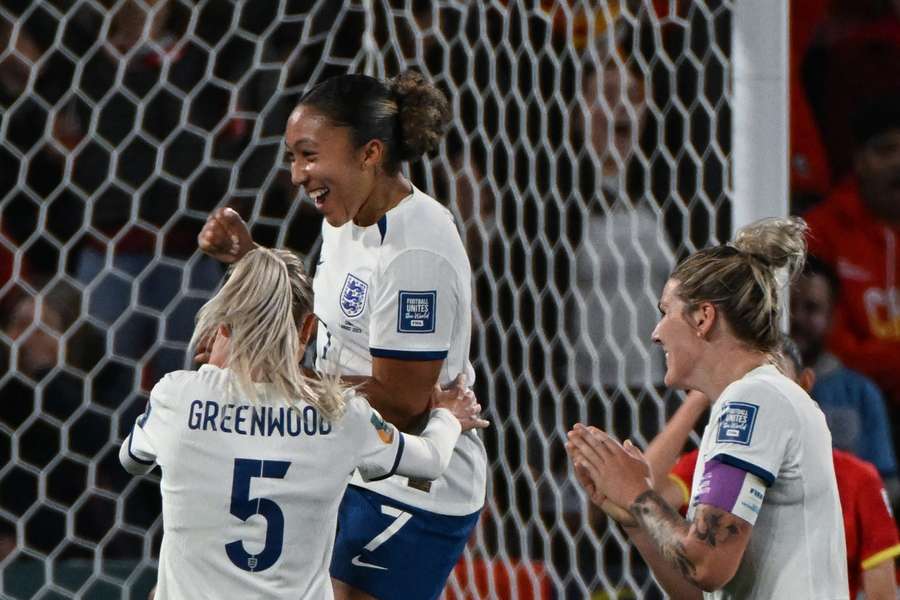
x=461 y=401
x=612 y=474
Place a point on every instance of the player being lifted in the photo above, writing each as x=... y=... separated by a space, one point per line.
x=393 y=295
x=255 y=456
x=764 y=519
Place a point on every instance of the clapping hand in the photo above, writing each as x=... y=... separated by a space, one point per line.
x=612 y=474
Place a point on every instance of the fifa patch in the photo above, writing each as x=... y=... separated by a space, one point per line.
x=353 y=295
x=736 y=423
x=385 y=431
x=416 y=312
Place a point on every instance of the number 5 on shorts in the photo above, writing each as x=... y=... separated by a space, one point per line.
x=400 y=519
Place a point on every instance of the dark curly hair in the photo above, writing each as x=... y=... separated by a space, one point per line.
x=407 y=113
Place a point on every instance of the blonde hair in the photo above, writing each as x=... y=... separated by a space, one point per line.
x=264 y=300
x=744 y=278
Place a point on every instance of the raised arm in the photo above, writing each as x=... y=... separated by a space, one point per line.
x=225 y=236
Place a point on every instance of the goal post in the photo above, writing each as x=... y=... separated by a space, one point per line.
x=762 y=112
x=593 y=143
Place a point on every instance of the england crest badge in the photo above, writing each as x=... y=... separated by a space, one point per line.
x=353 y=295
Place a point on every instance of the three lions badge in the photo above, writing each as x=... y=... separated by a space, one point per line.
x=353 y=296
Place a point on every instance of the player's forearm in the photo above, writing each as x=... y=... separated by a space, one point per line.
x=406 y=407
x=879 y=583
x=665 y=448
x=669 y=578
x=690 y=548
x=667 y=534
x=427 y=456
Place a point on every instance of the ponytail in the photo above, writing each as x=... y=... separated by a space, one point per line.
x=264 y=300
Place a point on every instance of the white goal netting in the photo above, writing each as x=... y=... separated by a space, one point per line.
x=589 y=150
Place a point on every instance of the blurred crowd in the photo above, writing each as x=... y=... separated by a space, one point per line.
x=578 y=183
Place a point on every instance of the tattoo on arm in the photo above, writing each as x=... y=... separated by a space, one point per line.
x=711 y=527
x=666 y=528
x=669 y=532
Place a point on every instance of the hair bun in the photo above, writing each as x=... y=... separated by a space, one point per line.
x=777 y=242
x=423 y=114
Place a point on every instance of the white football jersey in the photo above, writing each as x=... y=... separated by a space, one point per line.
x=765 y=424
x=250 y=491
x=402 y=288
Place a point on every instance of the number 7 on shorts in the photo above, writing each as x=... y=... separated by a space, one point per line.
x=400 y=519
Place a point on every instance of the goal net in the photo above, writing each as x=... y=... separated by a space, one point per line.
x=589 y=149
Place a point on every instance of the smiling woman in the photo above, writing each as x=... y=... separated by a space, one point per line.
x=347 y=137
x=765 y=500
x=305 y=433
x=393 y=298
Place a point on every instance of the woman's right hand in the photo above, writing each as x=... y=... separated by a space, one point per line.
x=225 y=236
x=461 y=401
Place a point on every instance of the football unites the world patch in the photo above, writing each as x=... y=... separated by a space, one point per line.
x=737 y=422
x=416 y=312
x=353 y=295
x=385 y=431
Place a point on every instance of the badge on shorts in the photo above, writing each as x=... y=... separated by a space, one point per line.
x=416 y=312
x=385 y=432
x=736 y=423
x=353 y=295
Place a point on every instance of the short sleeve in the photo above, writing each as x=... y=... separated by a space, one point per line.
x=414 y=307
x=878 y=531
x=380 y=443
x=752 y=430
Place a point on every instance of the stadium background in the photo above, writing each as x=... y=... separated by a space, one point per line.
x=591 y=146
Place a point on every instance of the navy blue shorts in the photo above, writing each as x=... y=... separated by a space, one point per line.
x=389 y=549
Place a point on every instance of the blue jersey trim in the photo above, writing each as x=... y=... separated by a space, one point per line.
x=134 y=457
x=393 y=470
x=409 y=354
x=727 y=459
x=382 y=227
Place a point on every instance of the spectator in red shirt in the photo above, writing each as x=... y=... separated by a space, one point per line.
x=869 y=527
x=856 y=231
x=851 y=57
